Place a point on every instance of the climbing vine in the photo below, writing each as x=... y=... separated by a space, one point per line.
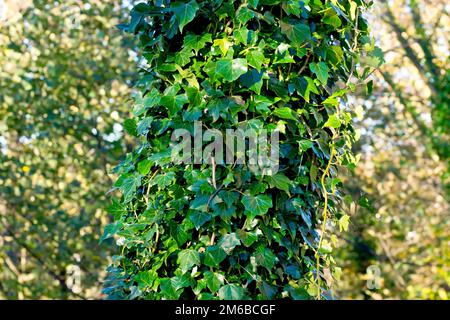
x=217 y=230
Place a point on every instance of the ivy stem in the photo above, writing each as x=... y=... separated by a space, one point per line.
x=324 y=215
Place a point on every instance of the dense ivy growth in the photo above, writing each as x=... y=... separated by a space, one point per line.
x=216 y=231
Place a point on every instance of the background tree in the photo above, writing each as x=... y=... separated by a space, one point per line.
x=404 y=163
x=63 y=79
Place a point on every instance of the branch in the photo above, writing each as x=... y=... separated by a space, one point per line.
x=398 y=30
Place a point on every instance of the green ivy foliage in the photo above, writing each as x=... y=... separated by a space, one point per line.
x=221 y=232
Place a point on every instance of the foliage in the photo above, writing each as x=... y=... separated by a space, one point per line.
x=407 y=237
x=218 y=231
x=63 y=72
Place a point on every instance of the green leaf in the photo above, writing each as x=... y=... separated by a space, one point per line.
x=247 y=238
x=292 y=7
x=253 y=80
x=144 y=167
x=144 y=126
x=194 y=96
x=344 y=221
x=304 y=86
x=199 y=218
x=187 y=259
x=214 y=255
x=184 y=12
x=130 y=127
x=244 y=14
x=333 y=122
x=145 y=279
x=306 y=216
x=164 y=180
x=267 y=290
x=195 y=42
x=223 y=44
x=262 y=103
x=320 y=70
x=129 y=187
x=214 y=281
x=231 y=292
x=174 y=104
x=169 y=288
x=285 y=113
x=304 y=145
x=230 y=69
x=110 y=230
x=265 y=257
x=297 y=33
x=279 y=181
x=241 y=35
x=256 y=59
x=256 y=205
x=229 y=242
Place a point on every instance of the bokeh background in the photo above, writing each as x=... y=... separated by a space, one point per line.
x=66 y=77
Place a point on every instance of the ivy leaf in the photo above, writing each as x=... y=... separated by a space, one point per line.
x=174 y=103
x=267 y=290
x=304 y=145
x=256 y=59
x=285 y=113
x=199 y=218
x=130 y=126
x=164 y=180
x=184 y=12
x=231 y=69
x=169 y=289
x=247 y=238
x=244 y=14
x=144 y=167
x=253 y=80
x=214 y=255
x=253 y=3
x=333 y=122
x=297 y=33
x=256 y=205
x=223 y=44
x=279 y=181
x=298 y=205
x=144 y=126
x=343 y=222
x=194 y=96
x=242 y=35
x=265 y=257
x=214 y=281
x=231 y=292
x=110 y=230
x=262 y=103
x=320 y=70
x=304 y=86
x=129 y=187
x=145 y=279
x=292 y=7
x=187 y=259
x=229 y=242
x=195 y=42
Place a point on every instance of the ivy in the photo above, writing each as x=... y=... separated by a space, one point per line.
x=216 y=230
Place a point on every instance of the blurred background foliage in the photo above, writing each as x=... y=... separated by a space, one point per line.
x=64 y=74
x=64 y=86
x=399 y=249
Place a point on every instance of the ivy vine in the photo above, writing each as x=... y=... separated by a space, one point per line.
x=219 y=231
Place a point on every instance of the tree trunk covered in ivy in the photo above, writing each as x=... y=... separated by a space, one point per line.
x=217 y=230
